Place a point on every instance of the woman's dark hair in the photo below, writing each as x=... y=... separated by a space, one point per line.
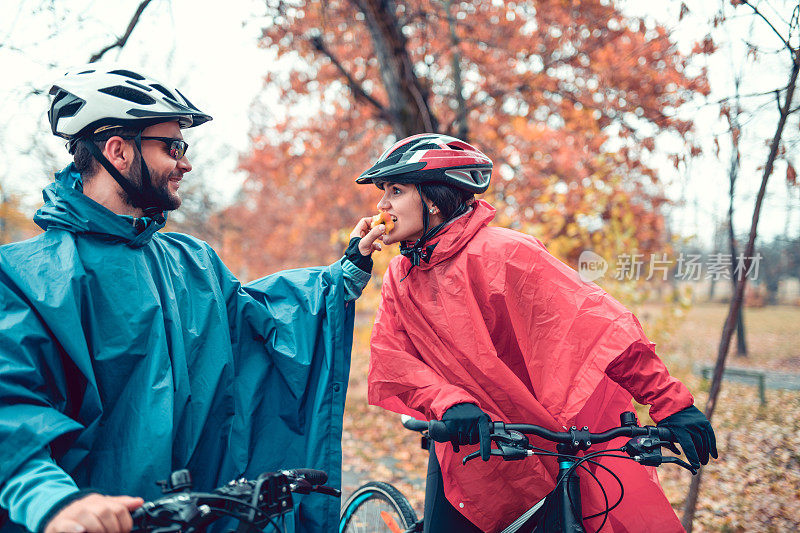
x=85 y=163
x=445 y=197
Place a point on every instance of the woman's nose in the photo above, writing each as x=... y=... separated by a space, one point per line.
x=383 y=204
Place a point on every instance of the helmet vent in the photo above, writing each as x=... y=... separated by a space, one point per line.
x=163 y=90
x=185 y=99
x=129 y=94
x=427 y=146
x=139 y=85
x=127 y=73
x=86 y=72
x=60 y=96
x=70 y=109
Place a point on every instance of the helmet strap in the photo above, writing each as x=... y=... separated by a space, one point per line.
x=418 y=251
x=147 y=191
x=139 y=197
x=425 y=218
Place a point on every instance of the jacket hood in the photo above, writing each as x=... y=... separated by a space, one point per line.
x=67 y=208
x=454 y=236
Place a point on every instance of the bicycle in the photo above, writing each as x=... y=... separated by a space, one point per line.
x=254 y=504
x=378 y=507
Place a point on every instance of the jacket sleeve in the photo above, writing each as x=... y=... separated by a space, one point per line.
x=34 y=392
x=291 y=334
x=354 y=279
x=34 y=490
x=399 y=379
x=642 y=373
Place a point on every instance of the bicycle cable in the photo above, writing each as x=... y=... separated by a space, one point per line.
x=578 y=463
x=250 y=522
x=590 y=458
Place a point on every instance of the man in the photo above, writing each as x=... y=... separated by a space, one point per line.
x=127 y=353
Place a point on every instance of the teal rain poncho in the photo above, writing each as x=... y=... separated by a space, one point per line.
x=134 y=355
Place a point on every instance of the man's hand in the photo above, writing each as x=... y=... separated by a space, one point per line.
x=370 y=238
x=95 y=513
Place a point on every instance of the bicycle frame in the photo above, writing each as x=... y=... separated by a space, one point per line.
x=567 y=514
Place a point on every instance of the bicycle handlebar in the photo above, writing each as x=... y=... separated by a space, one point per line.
x=644 y=445
x=438 y=432
x=253 y=502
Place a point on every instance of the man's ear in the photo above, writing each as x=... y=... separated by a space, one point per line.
x=119 y=153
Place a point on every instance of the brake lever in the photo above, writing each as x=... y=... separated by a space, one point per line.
x=670 y=446
x=511 y=446
x=681 y=463
x=330 y=491
x=302 y=486
x=473 y=455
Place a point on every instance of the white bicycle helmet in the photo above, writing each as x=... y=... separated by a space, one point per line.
x=91 y=97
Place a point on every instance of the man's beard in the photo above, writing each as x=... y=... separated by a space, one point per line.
x=158 y=195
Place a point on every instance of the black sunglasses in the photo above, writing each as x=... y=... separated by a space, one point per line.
x=177 y=147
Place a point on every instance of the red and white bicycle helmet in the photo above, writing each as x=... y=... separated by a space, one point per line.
x=432 y=157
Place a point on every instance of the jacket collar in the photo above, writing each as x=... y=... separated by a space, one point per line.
x=67 y=208
x=455 y=235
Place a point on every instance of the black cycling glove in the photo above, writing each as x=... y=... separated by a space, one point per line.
x=353 y=254
x=468 y=424
x=694 y=433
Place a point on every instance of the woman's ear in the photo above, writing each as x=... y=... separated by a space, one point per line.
x=429 y=205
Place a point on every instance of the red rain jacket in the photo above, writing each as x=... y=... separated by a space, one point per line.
x=495 y=320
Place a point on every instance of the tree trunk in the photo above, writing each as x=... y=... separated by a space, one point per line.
x=741 y=343
x=736 y=302
x=461 y=106
x=408 y=99
x=733 y=174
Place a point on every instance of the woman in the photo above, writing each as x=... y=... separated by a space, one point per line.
x=479 y=323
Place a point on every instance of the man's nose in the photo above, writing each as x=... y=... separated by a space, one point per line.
x=184 y=164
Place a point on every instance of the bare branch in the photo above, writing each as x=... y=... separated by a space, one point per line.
x=739 y=96
x=765 y=19
x=355 y=87
x=124 y=39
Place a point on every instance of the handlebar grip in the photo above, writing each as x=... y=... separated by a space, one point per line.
x=666 y=434
x=315 y=477
x=138 y=517
x=438 y=431
x=413 y=424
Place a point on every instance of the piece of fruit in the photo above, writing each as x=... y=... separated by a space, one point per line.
x=383 y=218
